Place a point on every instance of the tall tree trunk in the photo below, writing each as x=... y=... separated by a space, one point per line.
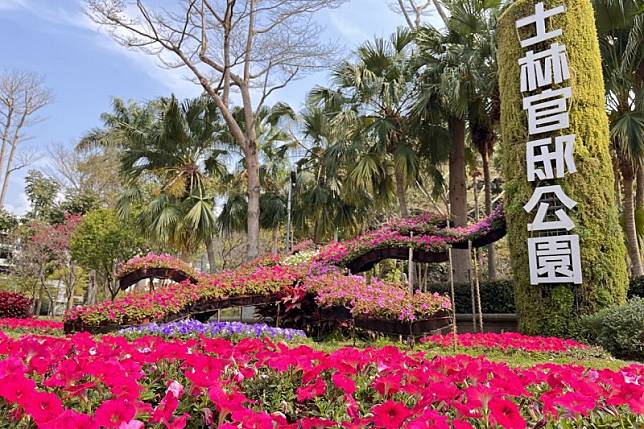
x=90 y=293
x=7 y=174
x=629 y=223
x=252 y=236
x=210 y=251
x=400 y=193
x=639 y=194
x=458 y=194
x=487 y=191
x=617 y=171
x=274 y=246
x=71 y=286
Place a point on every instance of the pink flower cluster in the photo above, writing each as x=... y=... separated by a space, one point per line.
x=505 y=341
x=303 y=245
x=32 y=325
x=374 y=298
x=83 y=382
x=152 y=260
x=423 y=223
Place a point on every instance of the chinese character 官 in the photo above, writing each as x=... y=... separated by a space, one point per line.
x=562 y=157
x=539 y=222
x=554 y=259
x=539 y=20
x=544 y=68
x=547 y=110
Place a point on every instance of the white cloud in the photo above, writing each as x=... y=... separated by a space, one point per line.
x=17 y=203
x=72 y=16
x=13 y=4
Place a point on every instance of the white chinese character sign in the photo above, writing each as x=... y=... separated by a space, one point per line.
x=554 y=258
x=563 y=227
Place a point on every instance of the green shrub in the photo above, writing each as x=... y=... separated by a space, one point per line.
x=619 y=329
x=496 y=297
x=636 y=287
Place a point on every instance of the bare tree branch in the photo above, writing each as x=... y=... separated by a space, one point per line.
x=22 y=95
x=227 y=44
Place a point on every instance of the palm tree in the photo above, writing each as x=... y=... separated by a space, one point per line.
x=621 y=35
x=476 y=22
x=445 y=91
x=328 y=202
x=170 y=167
x=378 y=90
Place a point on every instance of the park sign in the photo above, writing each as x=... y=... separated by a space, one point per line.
x=564 y=235
x=554 y=257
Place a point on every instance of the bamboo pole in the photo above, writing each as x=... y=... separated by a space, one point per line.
x=410 y=267
x=451 y=282
x=478 y=290
x=471 y=278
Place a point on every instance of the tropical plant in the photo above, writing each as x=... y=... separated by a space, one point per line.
x=621 y=41
x=170 y=166
x=377 y=90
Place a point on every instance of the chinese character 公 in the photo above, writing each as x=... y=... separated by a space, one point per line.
x=562 y=157
x=547 y=110
x=544 y=68
x=540 y=223
x=554 y=259
x=539 y=20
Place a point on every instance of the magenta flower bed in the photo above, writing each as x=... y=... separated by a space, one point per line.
x=14 y=305
x=505 y=341
x=151 y=306
x=90 y=383
x=31 y=325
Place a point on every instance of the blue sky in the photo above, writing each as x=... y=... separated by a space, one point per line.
x=84 y=68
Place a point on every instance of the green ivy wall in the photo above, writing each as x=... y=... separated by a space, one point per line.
x=555 y=309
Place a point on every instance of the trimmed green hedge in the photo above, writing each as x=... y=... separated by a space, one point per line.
x=619 y=329
x=556 y=309
x=496 y=297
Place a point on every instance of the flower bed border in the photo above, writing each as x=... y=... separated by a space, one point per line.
x=416 y=328
x=338 y=313
x=367 y=260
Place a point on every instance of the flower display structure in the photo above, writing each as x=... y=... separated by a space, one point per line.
x=153 y=260
x=505 y=341
x=137 y=308
x=341 y=253
x=194 y=328
x=213 y=382
x=269 y=275
x=31 y=325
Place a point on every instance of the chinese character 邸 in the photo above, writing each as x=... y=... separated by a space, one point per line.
x=554 y=259
x=562 y=157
